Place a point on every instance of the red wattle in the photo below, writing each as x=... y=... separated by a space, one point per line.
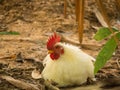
x=54 y=56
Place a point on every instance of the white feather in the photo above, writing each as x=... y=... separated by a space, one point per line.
x=72 y=68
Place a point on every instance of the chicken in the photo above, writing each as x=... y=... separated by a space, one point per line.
x=66 y=65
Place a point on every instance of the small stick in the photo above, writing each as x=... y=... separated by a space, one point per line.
x=65 y=7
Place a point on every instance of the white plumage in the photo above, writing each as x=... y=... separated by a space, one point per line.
x=72 y=68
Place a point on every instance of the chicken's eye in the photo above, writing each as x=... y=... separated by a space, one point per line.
x=57 y=47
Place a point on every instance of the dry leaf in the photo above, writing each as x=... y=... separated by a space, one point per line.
x=36 y=74
x=100 y=17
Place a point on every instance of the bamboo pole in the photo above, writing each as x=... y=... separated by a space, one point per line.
x=81 y=19
x=77 y=9
x=65 y=8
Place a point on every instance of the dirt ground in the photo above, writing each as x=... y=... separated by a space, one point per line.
x=36 y=20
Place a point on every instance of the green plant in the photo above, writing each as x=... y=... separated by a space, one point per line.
x=9 y=33
x=110 y=46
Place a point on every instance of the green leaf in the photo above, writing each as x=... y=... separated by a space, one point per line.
x=105 y=54
x=103 y=33
x=9 y=33
x=118 y=35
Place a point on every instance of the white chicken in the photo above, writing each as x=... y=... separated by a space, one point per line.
x=66 y=65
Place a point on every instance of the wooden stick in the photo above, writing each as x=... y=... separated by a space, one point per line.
x=77 y=7
x=81 y=18
x=65 y=8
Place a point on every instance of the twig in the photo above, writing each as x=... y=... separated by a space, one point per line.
x=19 y=39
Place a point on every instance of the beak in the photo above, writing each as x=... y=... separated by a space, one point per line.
x=50 y=51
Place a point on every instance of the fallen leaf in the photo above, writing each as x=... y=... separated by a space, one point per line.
x=36 y=74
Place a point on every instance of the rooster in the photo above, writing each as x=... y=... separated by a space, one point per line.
x=66 y=65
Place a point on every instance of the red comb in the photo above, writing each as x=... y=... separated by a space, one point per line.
x=52 y=41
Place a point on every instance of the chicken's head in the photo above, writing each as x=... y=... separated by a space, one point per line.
x=54 y=48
